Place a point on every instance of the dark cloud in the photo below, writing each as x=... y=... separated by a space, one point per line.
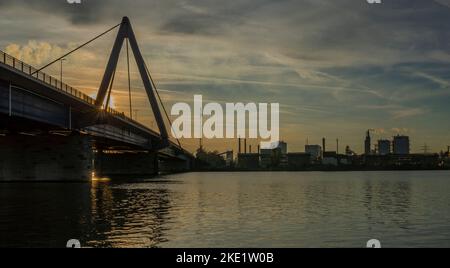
x=88 y=12
x=177 y=16
x=198 y=24
x=211 y=17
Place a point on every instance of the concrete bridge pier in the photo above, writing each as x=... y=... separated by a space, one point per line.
x=45 y=157
x=120 y=163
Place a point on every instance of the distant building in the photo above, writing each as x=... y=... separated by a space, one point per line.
x=384 y=147
x=283 y=147
x=274 y=155
x=298 y=160
x=367 y=147
x=401 y=145
x=345 y=160
x=248 y=161
x=266 y=158
x=315 y=151
x=330 y=159
x=229 y=158
x=403 y=161
x=282 y=154
x=348 y=151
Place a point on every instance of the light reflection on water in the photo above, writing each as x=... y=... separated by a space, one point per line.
x=343 y=209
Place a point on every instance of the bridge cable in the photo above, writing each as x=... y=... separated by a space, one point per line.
x=83 y=45
x=129 y=81
x=162 y=104
x=110 y=89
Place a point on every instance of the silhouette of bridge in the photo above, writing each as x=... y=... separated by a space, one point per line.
x=50 y=130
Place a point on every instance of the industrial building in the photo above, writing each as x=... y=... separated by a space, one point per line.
x=298 y=160
x=386 y=154
x=248 y=161
x=401 y=145
x=330 y=159
x=282 y=154
x=266 y=156
x=315 y=152
x=274 y=155
x=403 y=161
x=384 y=147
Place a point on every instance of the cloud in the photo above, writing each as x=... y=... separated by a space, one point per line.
x=443 y=2
x=411 y=112
x=342 y=61
x=34 y=52
x=435 y=79
x=403 y=130
x=86 y=13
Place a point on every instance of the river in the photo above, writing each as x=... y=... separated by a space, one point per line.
x=240 y=209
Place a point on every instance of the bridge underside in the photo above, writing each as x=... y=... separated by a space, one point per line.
x=30 y=155
x=45 y=158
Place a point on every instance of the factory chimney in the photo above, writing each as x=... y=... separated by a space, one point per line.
x=367 y=144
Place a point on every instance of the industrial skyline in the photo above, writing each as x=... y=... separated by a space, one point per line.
x=366 y=66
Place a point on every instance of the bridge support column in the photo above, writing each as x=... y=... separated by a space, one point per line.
x=124 y=164
x=45 y=158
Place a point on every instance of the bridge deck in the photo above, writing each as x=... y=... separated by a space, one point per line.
x=25 y=77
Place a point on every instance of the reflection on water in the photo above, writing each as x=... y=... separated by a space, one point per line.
x=343 y=209
x=128 y=214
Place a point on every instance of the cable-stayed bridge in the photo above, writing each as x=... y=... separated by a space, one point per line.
x=52 y=131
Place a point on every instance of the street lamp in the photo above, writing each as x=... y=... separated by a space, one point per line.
x=61 y=74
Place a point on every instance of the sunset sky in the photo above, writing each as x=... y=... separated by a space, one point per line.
x=337 y=68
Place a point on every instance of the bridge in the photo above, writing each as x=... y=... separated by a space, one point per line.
x=53 y=132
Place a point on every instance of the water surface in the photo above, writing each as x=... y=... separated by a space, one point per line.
x=292 y=209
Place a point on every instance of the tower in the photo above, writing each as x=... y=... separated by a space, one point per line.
x=323 y=145
x=239 y=145
x=126 y=33
x=367 y=143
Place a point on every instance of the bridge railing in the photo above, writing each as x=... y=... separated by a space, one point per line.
x=49 y=80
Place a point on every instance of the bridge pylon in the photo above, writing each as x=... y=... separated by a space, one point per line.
x=126 y=32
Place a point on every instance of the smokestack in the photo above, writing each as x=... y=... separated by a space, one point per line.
x=337 y=146
x=239 y=146
x=323 y=145
x=245 y=145
x=250 y=148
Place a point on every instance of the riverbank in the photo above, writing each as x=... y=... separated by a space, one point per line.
x=322 y=169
